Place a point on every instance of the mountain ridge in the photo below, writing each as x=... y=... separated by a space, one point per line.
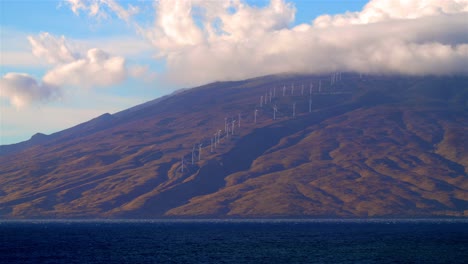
x=372 y=146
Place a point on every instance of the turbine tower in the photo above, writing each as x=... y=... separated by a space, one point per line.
x=233 y=125
x=255 y=116
x=294 y=109
x=215 y=140
x=199 y=151
x=310 y=104
x=275 y=109
x=261 y=101
x=193 y=154
x=182 y=165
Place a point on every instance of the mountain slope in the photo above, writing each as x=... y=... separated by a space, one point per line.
x=372 y=146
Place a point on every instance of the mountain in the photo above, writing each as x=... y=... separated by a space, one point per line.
x=337 y=145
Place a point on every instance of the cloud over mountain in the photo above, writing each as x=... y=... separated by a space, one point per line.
x=240 y=41
x=203 y=41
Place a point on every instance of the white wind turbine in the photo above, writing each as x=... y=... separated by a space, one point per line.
x=275 y=109
x=310 y=104
x=255 y=116
x=182 y=165
x=294 y=109
x=193 y=154
x=215 y=140
x=233 y=125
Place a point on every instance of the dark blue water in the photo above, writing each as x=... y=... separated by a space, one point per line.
x=384 y=241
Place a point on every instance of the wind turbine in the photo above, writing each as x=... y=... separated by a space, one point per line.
x=261 y=101
x=310 y=104
x=215 y=139
x=294 y=109
x=233 y=125
x=182 y=165
x=255 y=116
x=238 y=124
x=193 y=154
x=284 y=90
x=275 y=109
x=199 y=151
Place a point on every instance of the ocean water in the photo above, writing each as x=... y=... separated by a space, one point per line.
x=229 y=241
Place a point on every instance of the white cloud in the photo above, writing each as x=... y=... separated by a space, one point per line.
x=101 y=8
x=22 y=89
x=384 y=10
x=203 y=41
x=70 y=65
x=97 y=68
x=54 y=50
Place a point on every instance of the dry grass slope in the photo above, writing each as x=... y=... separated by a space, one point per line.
x=378 y=146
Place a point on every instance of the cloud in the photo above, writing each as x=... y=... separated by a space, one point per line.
x=385 y=10
x=203 y=41
x=93 y=68
x=101 y=8
x=97 y=68
x=70 y=66
x=22 y=89
x=54 y=50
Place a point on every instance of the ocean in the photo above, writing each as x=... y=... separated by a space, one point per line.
x=234 y=241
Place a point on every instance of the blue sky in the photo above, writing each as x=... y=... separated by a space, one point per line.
x=65 y=62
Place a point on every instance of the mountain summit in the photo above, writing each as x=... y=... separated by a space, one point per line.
x=335 y=145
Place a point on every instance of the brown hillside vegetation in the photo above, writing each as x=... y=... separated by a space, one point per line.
x=370 y=146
